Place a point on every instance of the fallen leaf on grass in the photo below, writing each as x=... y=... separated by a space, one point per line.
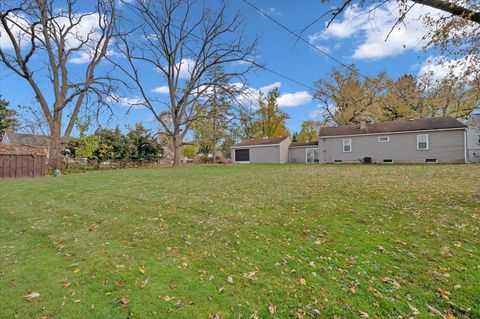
x=119 y=283
x=364 y=315
x=230 y=279
x=141 y=269
x=122 y=301
x=32 y=295
x=272 y=308
x=168 y=298
x=144 y=283
x=250 y=275
x=444 y=293
x=435 y=312
x=414 y=310
x=302 y=282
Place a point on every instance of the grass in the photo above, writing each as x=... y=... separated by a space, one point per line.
x=321 y=241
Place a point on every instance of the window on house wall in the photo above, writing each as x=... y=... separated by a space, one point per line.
x=312 y=155
x=384 y=139
x=422 y=142
x=347 y=145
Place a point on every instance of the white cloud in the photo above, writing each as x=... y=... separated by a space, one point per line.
x=87 y=32
x=271 y=12
x=161 y=90
x=134 y=102
x=16 y=26
x=184 y=68
x=294 y=99
x=373 y=28
x=250 y=95
x=267 y=88
x=440 y=67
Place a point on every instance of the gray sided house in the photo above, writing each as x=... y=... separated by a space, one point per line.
x=473 y=138
x=303 y=152
x=427 y=140
x=267 y=150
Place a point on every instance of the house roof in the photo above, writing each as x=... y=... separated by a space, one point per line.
x=7 y=149
x=263 y=141
x=423 y=124
x=299 y=144
x=26 y=139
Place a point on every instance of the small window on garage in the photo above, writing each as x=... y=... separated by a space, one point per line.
x=388 y=160
x=422 y=142
x=431 y=160
x=383 y=139
x=347 y=145
x=242 y=155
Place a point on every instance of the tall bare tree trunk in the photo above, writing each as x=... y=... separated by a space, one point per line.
x=177 y=149
x=55 y=159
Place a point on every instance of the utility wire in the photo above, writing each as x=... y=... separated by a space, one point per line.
x=299 y=37
x=284 y=76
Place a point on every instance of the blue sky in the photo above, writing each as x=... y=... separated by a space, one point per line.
x=354 y=38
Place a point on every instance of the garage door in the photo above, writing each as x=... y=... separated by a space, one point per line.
x=242 y=155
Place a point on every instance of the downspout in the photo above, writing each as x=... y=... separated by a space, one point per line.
x=465 y=144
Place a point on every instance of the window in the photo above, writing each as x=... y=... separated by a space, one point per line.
x=478 y=140
x=312 y=155
x=422 y=142
x=388 y=161
x=347 y=145
x=383 y=139
x=431 y=160
x=337 y=161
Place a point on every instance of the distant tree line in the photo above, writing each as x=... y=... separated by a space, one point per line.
x=136 y=146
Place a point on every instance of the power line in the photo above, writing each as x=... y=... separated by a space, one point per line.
x=299 y=37
x=284 y=76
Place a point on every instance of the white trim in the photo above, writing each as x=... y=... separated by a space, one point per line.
x=349 y=144
x=426 y=141
x=384 y=136
x=403 y=132
x=242 y=162
x=303 y=146
x=250 y=146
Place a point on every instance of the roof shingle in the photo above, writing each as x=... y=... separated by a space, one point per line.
x=298 y=144
x=423 y=124
x=263 y=141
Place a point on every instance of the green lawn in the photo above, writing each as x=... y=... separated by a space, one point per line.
x=323 y=241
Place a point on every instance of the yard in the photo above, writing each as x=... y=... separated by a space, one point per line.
x=252 y=241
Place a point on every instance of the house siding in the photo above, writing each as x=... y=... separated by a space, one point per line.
x=473 y=144
x=262 y=154
x=299 y=154
x=445 y=146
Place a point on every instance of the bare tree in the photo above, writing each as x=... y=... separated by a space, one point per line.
x=183 y=42
x=455 y=29
x=45 y=38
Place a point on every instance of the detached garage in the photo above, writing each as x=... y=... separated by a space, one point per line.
x=266 y=150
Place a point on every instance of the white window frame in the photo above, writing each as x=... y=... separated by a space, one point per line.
x=312 y=149
x=349 y=143
x=379 y=139
x=426 y=141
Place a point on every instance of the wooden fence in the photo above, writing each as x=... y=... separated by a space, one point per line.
x=17 y=161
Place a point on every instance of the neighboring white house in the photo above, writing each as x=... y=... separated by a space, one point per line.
x=473 y=138
x=426 y=140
